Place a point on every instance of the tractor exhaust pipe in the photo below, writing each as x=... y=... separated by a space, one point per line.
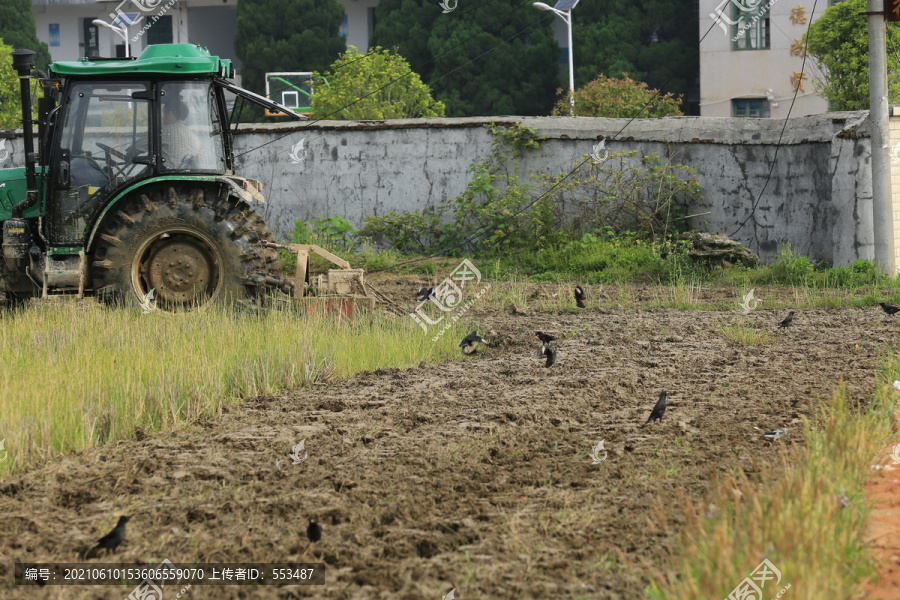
x=23 y=63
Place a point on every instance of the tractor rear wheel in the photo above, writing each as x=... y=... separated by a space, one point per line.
x=190 y=246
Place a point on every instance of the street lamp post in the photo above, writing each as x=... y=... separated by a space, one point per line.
x=563 y=10
x=122 y=30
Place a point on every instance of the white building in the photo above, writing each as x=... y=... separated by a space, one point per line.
x=751 y=62
x=66 y=26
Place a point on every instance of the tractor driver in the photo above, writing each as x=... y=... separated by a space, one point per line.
x=180 y=147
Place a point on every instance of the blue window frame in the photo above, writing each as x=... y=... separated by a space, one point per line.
x=750 y=107
x=752 y=31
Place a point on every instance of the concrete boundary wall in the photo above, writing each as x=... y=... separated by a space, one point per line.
x=818 y=197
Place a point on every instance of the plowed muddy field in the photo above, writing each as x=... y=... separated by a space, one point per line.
x=473 y=475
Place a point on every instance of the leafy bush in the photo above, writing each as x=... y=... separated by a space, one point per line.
x=610 y=97
x=605 y=257
x=408 y=233
x=335 y=234
x=648 y=197
x=10 y=94
x=379 y=85
x=791 y=268
x=489 y=214
x=498 y=214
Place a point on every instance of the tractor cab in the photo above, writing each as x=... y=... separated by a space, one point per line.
x=114 y=133
x=123 y=121
x=117 y=139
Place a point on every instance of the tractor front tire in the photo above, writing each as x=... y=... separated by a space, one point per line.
x=191 y=246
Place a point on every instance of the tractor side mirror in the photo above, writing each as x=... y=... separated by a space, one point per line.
x=62 y=175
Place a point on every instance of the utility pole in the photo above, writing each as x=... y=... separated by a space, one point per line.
x=878 y=115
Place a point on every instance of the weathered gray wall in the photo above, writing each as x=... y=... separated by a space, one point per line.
x=818 y=197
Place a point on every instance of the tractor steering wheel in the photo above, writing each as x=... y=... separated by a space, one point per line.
x=110 y=150
x=112 y=166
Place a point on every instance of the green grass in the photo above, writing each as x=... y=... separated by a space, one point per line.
x=743 y=334
x=809 y=522
x=626 y=259
x=681 y=295
x=77 y=375
x=597 y=261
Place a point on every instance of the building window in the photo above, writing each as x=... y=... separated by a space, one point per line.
x=757 y=108
x=752 y=29
x=161 y=31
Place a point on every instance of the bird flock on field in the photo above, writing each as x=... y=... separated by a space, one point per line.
x=470 y=343
x=109 y=542
x=549 y=351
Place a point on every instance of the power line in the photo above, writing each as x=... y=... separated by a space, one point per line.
x=783 y=127
x=412 y=71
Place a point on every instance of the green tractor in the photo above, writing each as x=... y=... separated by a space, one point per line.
x=132 y=192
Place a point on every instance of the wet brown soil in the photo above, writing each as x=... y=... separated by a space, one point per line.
x=473 y=475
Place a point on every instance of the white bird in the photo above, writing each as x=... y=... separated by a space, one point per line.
x=146 y=305
x=595 y=453
x=295 y=453
x=450 y=595
x=445 y=4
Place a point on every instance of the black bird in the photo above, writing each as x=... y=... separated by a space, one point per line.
x=314 y=531
x=424 y=294
x=111 y=540
x=889 y=309
x=545 y=339
x=659 y=410
x=550 y=353
x=579 y=297
x=468 y=343
x=788 y=320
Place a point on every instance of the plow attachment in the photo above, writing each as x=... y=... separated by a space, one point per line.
x=338 y=291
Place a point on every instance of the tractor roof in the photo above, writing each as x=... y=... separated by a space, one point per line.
x=158 y=59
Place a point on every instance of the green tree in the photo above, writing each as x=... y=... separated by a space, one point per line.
x=10 y=98
x=839 y=42
x=406 y=25
x=608 y=97
x=286 y=35
x=653 y=40
x=510 y=68
x=17 y=27
x=10 y=111
x=377 y=86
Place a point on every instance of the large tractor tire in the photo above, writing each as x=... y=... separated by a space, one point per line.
x=191 y=246
x=14 y=288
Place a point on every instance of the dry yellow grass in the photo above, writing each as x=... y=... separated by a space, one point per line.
x=809 y=523
x=75 y=374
